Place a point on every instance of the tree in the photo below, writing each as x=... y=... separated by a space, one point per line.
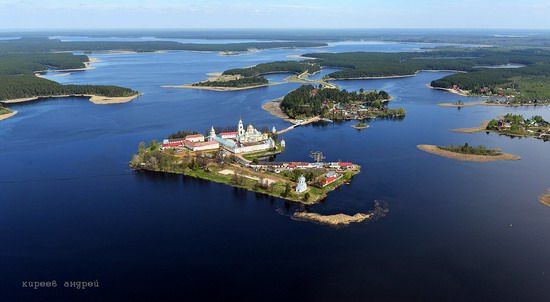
x=306 y=196
x=287 y=190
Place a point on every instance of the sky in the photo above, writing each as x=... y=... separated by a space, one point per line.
x=180 y=14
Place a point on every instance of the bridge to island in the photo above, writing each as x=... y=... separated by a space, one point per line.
x=298 y=123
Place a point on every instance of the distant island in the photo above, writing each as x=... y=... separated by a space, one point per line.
x=235 y=156
x=252 y=77
x=468 y=153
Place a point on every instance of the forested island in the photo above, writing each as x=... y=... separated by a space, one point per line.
x=251 y=77
x=308 y=101
x=468 y=153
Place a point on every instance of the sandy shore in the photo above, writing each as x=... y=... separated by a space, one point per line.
x=300 y=57
x=545 y=199
x=214 y=88
x=333 y=220
x=461 y=93
x=466 y=157
x=96 y=99
x=274 y=108
x=482 y=127
x=6 y=116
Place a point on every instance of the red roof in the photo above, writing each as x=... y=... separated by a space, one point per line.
x=345 y=164
x=174 y=144
x=193 y=136
x=229 y=133
x=329 y=180
x=298 y=164
x=199 y=144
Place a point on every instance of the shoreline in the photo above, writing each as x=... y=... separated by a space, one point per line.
x=545 y=199
x=451 y=91
x=96 y=99
x=274 y=108
x=7 y=115
x=395 y=76
x=482 y=127
x=432 y=149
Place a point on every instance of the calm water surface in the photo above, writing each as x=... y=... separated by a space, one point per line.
x=71 y=209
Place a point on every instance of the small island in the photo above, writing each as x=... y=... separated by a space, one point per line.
x=237 y=157
x=340 y=220
x=360 y=126
x=468 y=153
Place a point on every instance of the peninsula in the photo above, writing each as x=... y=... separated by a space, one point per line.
x=468 y=153
x=514 y=125
x=6 y=113
x=236 y=158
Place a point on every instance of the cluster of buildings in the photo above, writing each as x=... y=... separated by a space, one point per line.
x=334 y=169
x=238 y=142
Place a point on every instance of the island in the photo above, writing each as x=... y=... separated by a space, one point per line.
x=340 y=220
x=252 y=77
x=237 y=157
x=360 y=126
x=468 y=153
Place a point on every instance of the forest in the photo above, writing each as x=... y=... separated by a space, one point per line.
x=17 y=79
x=309 y=101
x=526 y=83
x=45 y=45
x=242 y=82
x=25 y=86
x=275 y=67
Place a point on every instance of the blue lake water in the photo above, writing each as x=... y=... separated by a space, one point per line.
x=71 y=209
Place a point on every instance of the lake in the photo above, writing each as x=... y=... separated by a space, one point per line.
x=72 y=210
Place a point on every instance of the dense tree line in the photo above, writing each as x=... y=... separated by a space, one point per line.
x=308 y=100
x=467 y=149
x=14 y=64
x=242 y=82
x=275 y=67
x=45 y=45
x=24 y=86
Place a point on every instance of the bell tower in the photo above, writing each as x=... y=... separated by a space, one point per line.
x=241 y=127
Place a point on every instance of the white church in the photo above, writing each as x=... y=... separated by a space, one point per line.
x=243 y=141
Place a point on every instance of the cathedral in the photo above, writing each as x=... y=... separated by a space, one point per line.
x=243 y=141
